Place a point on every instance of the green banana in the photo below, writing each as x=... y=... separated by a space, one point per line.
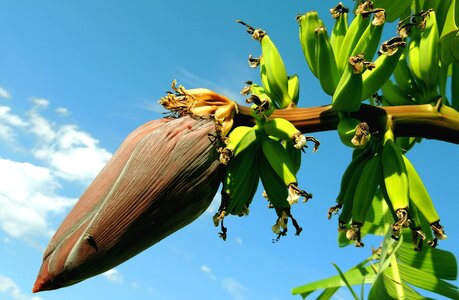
x=239 y=139
x=385 y=65
x=272 y=66
x=353 y=34
x=348 y=94
x=428 y=45
x=346 y=195
x=240 y=182
x=404 y=78
x=294 y=88
x=283 y=129
x=307 y=25
x=369 y=41
x=395 y=181
x=340 y=14
x=393 y=95
x=358 y=157
x=366 y=187
x=327 y=70
x=280 y=161
x=275 y=188
x=352 y=132
x=276 y=73
x=421 y=198
x=414 y=54
x=394 y=8
x=294 y=154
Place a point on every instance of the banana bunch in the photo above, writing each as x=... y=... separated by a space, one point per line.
x=271 y=151
x=342 y=60
x=283 y=90
x=381 y=165
x=421 y=76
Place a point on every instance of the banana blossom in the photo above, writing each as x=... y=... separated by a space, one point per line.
x=163 y=176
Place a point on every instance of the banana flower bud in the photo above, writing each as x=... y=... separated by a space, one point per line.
x=163 y=176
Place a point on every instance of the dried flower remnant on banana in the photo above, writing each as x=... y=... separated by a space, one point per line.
x=202 y=103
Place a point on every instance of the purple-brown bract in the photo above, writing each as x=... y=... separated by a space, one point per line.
x=163 y=176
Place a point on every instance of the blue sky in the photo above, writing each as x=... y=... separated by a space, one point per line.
x=77 y=76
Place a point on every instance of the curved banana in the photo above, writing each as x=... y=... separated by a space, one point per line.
x=275 y=188
x=340 y=14
x=421 y=198
x=353 y=34
x=280 y=161
x=366 y=187
x=307 y=25
x=327 y=70
x=352 y=132
x=240 y=183
x=385 y=65
x=395 y=181
x=369 y=41
x=294 y=88
x=394 y=9
x=393 y=95
x=275 y=70
x=428 y=54
x=404 y=78
x=294 y=153
x=283 y=129
x=347 y=198
x=348 y=94
x=239 y=139
x=357 y=159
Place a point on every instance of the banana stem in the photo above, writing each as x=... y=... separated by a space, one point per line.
x=438 y=122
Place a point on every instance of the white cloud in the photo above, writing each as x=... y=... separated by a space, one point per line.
x=62 y=111
x=70 y=152
x=40 y=102
x=239 y=241
x=4 y=93
x=8 y=286
x=9 y=123
x=29 y=193
x=235 y=288
x=73 y=154
x=27 y=196
x=208 y=271
x=113 y=275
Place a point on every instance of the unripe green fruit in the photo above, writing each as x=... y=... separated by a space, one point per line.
x=353 y=133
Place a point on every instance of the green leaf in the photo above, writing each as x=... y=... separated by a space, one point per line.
x=354 y=276
x=327 y=293
x=439 y=263
x=427 y=281
x=346 y=282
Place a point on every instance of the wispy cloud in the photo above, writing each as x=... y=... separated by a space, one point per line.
x=4 y=93
x=235 y=288
x=11 y=288
x=113 y=275
x=9 y=124
x=208 y=271
x=62 y=111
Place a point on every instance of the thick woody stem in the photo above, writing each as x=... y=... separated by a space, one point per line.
x=438 y=122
